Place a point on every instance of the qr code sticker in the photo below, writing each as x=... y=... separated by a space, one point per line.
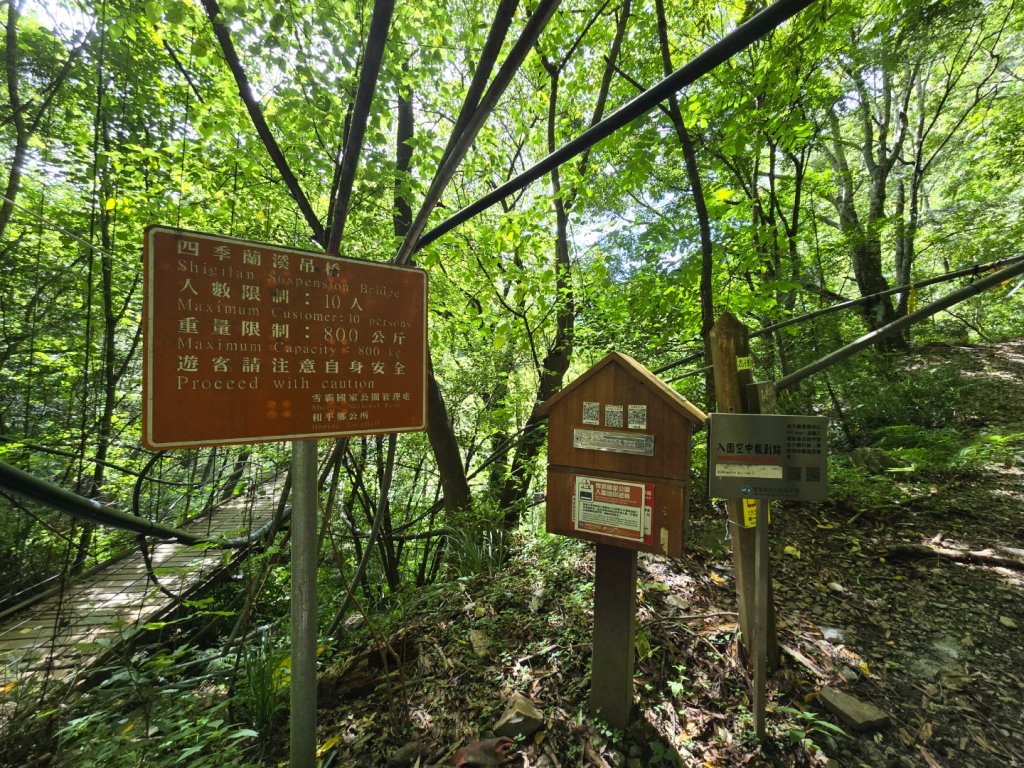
x=613 y=416
x=814 y=474
x=591 y=413
x=637 y=416
x=791 y=474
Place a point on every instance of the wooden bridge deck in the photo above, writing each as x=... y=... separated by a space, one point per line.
x=61 y=637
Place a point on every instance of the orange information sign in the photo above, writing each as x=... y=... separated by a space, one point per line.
x=246 y=342
x=617 y=508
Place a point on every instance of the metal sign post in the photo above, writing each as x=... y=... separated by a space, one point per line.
x=760 y=639
x=760 y=457
x=302 y=728
x=247 y=342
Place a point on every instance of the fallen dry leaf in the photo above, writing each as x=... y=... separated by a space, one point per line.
x=924 y=735
x=929 y=757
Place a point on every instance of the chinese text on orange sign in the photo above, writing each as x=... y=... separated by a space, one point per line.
x=246 y=342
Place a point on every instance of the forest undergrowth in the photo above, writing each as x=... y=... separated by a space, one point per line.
x=903 y=590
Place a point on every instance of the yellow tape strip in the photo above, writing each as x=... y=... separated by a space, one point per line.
x=750 y=513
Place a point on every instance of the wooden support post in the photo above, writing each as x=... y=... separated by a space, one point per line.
x=730 y=352
x=302 y=725
x=611 y=686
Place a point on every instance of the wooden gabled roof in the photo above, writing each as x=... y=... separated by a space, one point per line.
x=642 y=374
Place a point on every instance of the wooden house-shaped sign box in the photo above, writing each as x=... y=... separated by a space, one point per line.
x=619 y=443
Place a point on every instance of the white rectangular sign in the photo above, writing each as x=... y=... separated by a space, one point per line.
x=768 y=456
x=766 y=471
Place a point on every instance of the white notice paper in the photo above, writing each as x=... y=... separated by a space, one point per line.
x=764 y=471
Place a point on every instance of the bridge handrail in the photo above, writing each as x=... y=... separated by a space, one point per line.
x=28 y=486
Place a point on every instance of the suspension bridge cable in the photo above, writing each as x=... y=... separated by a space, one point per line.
x=977 y=269
x=955 y=297
x=25 y=485
x=739 y=39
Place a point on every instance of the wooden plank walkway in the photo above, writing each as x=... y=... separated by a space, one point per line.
x=63 y=636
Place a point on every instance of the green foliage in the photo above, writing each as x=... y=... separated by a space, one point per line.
x=915 y=427
x=262 y=692
x=197 y=737
x=917 y=447
x=924 y=397
x=663 y=756
x=803 y=202
x=150 y=714
x=804 y=724
x=481 y=549
x=26 y=728
x=993 y=448
x=677 y=686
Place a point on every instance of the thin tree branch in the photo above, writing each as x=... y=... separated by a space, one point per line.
x=740 y=38
x=488 y=56
x=259 y=122
x=531 y=32
x=376 y=39
x=184 y=71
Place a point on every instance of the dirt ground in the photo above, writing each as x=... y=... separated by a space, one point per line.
x=914 y=606
x=936 y=638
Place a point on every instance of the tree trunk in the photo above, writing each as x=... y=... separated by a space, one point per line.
x=707 y=305
x=864 y=238
x=20 y=128
x=457 y=496
x=866 y=255
x=440 y=433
